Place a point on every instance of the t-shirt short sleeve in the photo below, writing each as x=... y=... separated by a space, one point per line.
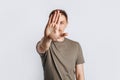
x=80 y=57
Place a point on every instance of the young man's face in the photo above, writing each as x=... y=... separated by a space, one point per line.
x=62 y=23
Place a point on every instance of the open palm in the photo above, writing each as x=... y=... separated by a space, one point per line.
x=52 y=28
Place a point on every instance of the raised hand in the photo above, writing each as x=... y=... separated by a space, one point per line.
x=54 y=31
x=52 y=28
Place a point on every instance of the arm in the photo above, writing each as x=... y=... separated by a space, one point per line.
x=43 y=45
x=79 y=72
x=50 y=33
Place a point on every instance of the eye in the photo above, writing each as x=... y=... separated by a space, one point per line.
x=61 y=22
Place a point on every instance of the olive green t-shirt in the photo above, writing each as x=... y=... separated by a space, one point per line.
x=60 y=60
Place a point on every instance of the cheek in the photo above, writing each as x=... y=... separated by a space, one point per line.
x=62 y=27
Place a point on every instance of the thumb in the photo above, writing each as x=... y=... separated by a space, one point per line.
x=64 y=34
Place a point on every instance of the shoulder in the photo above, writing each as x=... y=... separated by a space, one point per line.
x=73 y=42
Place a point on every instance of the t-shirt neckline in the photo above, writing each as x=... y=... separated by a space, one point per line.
x=60 y=42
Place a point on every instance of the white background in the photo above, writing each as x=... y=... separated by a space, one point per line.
x=93 y=23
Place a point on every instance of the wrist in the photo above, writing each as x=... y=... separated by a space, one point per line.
x=47 y=39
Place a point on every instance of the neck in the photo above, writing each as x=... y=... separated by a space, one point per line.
x=60 y=39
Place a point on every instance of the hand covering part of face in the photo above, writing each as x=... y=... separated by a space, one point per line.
x=63 y=20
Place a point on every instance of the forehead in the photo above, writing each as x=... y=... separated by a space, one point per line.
x=62 y=18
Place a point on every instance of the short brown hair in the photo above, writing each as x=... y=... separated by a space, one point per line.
x=63 y=12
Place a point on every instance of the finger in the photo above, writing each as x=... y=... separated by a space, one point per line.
x=53 y=25
x=57 y=16
x=58 y=19
x=53 y=20
x=57 y=23
x=48 y=24
x=56 y=27
x=50 y=19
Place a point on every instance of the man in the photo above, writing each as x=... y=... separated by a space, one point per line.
x=62 y=58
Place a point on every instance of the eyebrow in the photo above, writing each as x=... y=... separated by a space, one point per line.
x=62 y=21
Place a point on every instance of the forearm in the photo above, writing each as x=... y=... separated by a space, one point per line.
x=80 y=72
x=44 y=44
x=80 y=78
